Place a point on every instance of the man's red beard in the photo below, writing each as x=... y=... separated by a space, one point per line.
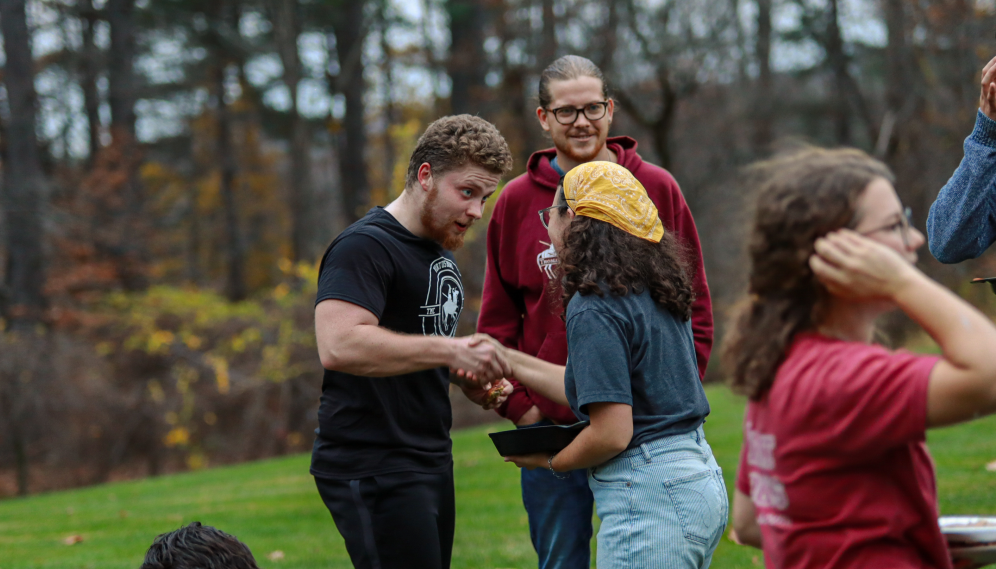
x=437 y=229
x=578 y=156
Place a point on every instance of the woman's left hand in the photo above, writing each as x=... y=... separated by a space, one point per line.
x=530 y=461
x=853 y=266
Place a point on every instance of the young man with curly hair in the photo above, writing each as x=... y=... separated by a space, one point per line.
x=389 y=298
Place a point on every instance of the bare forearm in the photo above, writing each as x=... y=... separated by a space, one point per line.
x=750 y=537
x=963 y=385
x=745 y=527
x=590 y=448
x=373 y=351
x=965 y=335
x=545 y=378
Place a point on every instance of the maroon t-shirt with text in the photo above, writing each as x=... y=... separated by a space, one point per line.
x=835 y=460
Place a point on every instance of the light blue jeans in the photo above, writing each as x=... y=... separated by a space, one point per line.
x=663 y=505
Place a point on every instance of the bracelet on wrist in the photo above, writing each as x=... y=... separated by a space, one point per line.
x=556 y=474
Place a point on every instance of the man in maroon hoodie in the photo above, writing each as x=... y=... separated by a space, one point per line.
x=517 y=307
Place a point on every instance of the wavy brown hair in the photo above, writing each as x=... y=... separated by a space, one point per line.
x=597 y=252
x=801 y=196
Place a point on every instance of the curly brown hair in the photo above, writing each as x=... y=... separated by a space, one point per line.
x=451 y=142
x=801 y=196
x=597 y=252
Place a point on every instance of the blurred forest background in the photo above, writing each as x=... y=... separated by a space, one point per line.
x=173 y=169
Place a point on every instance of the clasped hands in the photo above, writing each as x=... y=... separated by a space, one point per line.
x=482 y=365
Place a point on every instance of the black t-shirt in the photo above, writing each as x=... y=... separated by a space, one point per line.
x=376 y=425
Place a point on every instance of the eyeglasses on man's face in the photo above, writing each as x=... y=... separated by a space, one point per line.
x=902 y=226
x=545 y=213
x=569 y=115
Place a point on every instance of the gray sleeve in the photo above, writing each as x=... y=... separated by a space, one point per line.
x=961 y=224
x=599 y=352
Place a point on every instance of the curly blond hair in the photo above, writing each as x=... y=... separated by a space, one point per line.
x=451 y=142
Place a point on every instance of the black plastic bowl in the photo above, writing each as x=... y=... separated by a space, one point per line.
x=544 y=438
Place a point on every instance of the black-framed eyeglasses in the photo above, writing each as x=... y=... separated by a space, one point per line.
x=569 y=115
x=545 y=214
x=903 y=226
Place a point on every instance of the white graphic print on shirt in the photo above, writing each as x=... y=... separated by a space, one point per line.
x=766 y=491
x=547 y=260
x=444 y=301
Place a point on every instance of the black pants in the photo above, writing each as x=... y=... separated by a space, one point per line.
x=403 y=520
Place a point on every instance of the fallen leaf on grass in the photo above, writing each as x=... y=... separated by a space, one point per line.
x=991 y=467
x=275 y=555
x=73 y=539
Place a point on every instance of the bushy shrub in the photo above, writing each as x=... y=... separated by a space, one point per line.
x=160 y=380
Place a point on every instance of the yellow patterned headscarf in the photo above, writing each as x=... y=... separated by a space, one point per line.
x=610 y=193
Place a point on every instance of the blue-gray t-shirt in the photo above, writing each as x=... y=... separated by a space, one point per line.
x=625 y=349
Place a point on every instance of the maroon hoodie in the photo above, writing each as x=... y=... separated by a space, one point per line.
x=516 y=307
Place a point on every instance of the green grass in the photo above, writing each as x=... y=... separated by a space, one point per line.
x=273 y=505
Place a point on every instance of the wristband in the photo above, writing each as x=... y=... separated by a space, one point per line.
x=556 y=474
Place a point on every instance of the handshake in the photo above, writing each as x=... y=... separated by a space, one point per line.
x=479 y=366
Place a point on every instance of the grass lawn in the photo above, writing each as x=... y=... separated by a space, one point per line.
x=273 y=505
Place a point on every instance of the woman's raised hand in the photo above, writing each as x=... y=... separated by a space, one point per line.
x=853 y=266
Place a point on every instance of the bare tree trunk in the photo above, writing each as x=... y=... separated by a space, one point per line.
x=350 y=31
x=24 y=183
x=88 y=82
x=120 y=67
x=236 y=286
x=224 y=17
x=130 y=252
x=845 y=86
x=466 y=55
x=897 y=56
x=10 y=399
x=838 y=63
x=610 y=37
x=738 y=26
x=20 y=459
x=763 y=128
x=515 y=105
x=194 y=238
x=287 y=28
x=659 y=126
x=390 y=112
x=548 y=49
x=897 y=84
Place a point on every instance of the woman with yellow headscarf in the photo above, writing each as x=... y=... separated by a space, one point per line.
x=632 y=372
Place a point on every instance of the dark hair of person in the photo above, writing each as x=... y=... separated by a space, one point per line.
x=596 y=252
x=564 y=69
x=196 y=546
x=801 y=196
x=451 y=142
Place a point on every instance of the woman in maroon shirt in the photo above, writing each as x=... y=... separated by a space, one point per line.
x=834 y=471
